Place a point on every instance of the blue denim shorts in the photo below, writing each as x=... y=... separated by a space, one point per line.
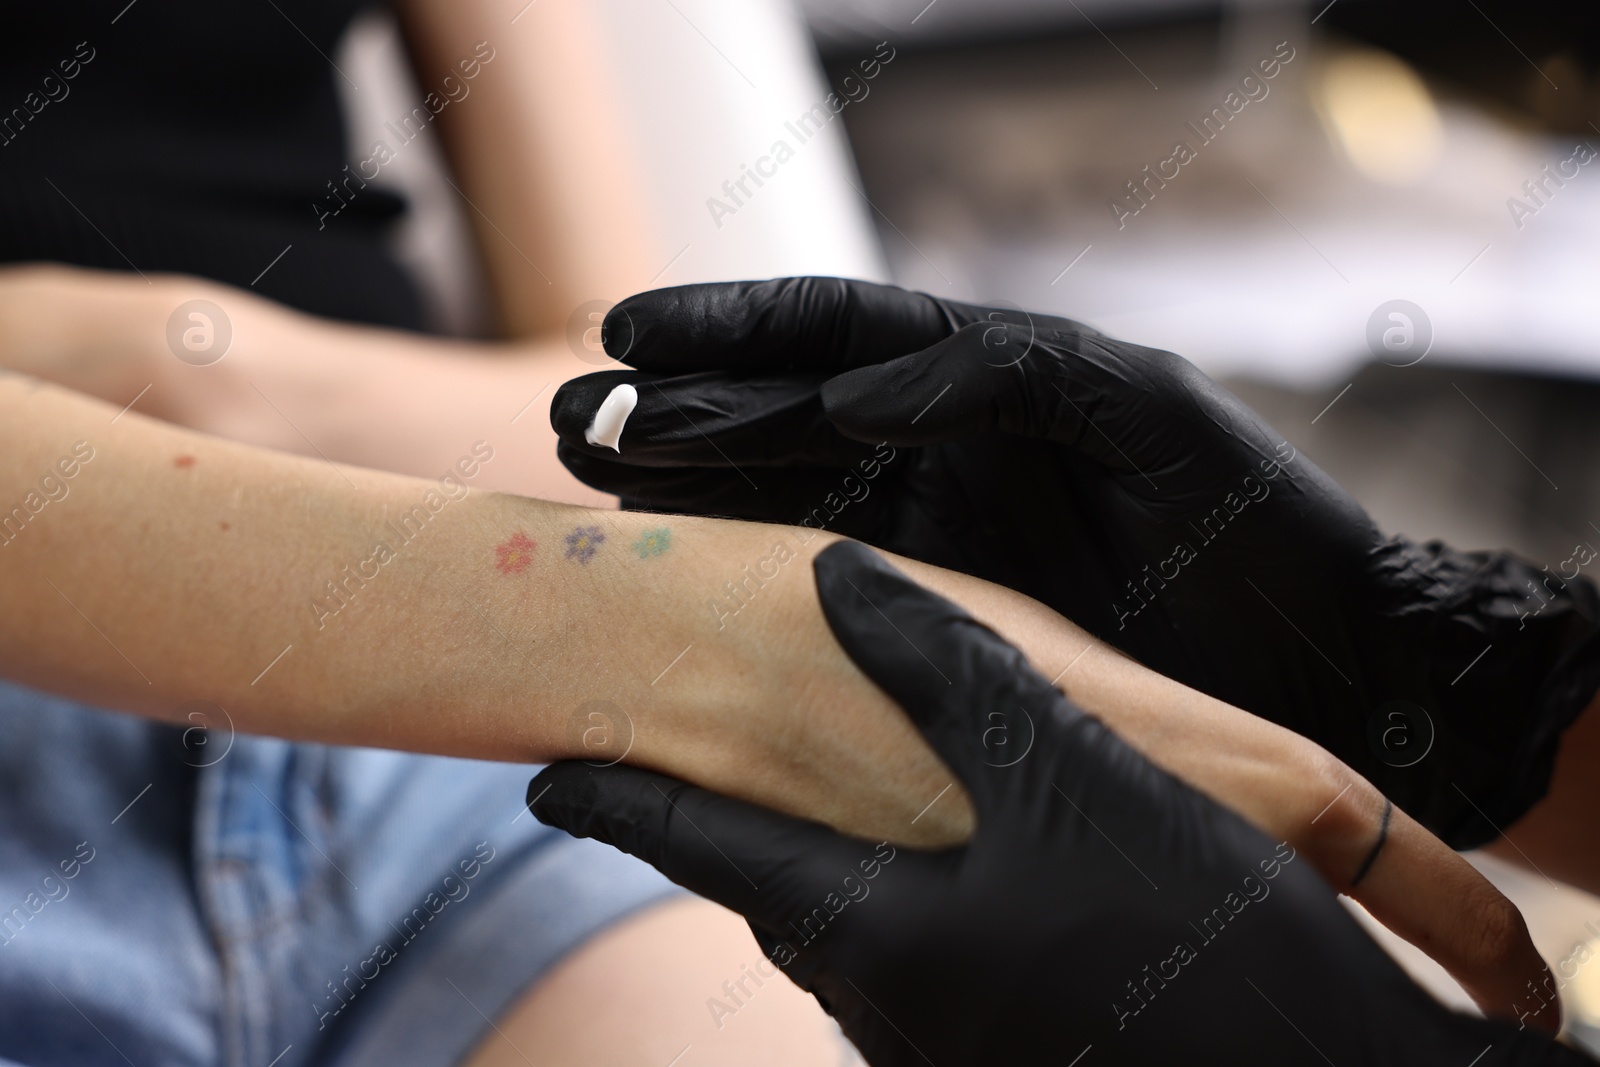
x=176 y=896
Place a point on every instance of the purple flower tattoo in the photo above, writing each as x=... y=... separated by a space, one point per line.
x=584 y=542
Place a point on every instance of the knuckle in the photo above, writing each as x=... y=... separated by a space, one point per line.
x=1497 y=935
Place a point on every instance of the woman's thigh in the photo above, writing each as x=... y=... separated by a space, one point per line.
x=681 y=983
x=186 y=896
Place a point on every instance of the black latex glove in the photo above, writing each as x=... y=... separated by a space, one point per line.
x=1103 y=909
x=1123 y=488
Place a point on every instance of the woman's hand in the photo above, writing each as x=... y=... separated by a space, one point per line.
x=860 y=767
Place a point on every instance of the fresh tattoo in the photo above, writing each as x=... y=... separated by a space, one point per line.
x=584 y=542
x=513 y=555
x=653 y=542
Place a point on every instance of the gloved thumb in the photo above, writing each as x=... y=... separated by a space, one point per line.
x=960 y=683
x=739 y=855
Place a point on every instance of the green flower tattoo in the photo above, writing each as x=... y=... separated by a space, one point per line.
x=653 y=542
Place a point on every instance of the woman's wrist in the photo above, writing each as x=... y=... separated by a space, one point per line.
x=729 y=676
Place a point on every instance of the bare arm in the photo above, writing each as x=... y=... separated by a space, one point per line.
x=345 y=605
x=159 y=566
x=543 y=148
x=373 y=397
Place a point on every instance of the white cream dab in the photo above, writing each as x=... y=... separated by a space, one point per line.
x=606 y=429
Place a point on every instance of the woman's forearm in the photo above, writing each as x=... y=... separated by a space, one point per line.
x=345 y=605
x=149 y=566
x=170 y=566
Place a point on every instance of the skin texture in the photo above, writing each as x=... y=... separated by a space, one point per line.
x=709 y=661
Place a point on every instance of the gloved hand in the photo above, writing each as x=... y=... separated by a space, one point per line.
x=1104 y=912
x=1123 y=488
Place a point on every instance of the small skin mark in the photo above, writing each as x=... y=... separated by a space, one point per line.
x=584 y=542
x=183 y=462
x=226 y=526
x=653 y=542
x=513 y=555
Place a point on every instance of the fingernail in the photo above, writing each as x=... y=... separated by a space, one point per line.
x=606 y=429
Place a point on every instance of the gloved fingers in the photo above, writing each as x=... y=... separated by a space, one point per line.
x=964 y=384
x=831 y=500
x=711 y=419
x=767 y=866
x=821 y=324
x=1427 y=894
x=957 y=680
x=1133 y=410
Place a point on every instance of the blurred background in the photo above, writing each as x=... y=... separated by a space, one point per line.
x=1377 y=222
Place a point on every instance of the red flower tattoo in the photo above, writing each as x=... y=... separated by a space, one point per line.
x=513 y=555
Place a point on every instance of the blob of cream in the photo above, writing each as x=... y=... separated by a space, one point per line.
x=606 y=429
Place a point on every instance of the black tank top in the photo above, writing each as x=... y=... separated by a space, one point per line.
x=192 y=136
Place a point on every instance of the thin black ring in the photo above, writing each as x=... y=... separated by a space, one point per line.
x=1383 y=835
